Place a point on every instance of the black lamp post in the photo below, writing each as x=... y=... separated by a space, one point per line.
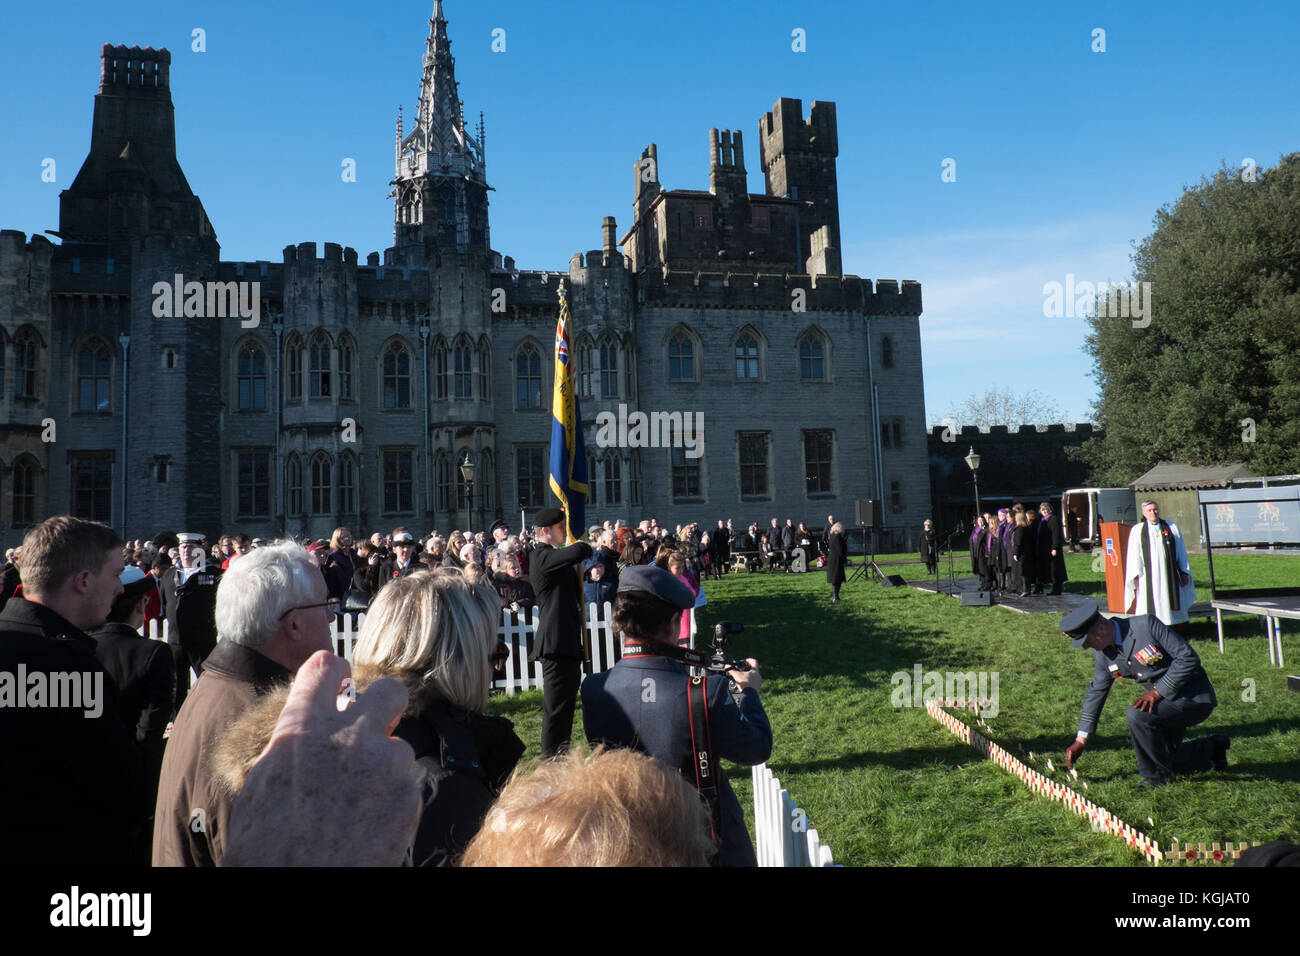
x=973 y=461
x=467 y=469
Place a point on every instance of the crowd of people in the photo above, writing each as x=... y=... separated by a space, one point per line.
x=170 y=765
x=1019 y=550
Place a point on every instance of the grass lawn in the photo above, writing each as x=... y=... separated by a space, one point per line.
x=891 y=786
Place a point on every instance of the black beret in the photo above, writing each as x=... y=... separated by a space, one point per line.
x=1079 y=622
x=548 y=516
x=655 y=580
x=498 y=524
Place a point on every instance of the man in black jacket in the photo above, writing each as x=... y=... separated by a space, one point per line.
x=144 y=680
x=189 y=594
x=69 y=796
x=558 y=641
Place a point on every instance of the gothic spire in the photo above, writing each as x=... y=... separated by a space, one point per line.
x=439 y=144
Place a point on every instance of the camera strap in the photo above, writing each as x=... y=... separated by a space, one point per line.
x=706 y=766
x=673 y=652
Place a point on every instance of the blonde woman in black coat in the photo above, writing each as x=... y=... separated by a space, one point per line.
x=836 y=558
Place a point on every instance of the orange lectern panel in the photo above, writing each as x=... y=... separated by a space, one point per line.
x=1114 y=548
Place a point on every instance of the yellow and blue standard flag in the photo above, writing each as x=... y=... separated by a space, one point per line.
x=568 y=453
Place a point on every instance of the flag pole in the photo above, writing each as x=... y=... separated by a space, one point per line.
x=569 y=468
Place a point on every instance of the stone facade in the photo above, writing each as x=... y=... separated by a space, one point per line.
x=354 y=389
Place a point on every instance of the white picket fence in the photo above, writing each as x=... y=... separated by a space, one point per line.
x=782 y=836
x=521 y=673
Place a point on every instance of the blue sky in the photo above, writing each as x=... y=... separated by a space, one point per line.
x=1062 y=155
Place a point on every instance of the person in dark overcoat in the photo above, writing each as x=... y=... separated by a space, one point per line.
x=929 y=547
x=558 y=643
x=836 y=558
x=1051 y=549
x=976 y=539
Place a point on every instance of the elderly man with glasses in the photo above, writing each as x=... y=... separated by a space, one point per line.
x=273 y=612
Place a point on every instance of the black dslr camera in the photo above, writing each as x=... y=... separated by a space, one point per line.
x=721 y=661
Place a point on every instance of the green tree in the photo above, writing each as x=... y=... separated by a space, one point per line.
x=1223 y=343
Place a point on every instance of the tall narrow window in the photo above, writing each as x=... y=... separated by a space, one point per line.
x=293 y=366
x=634 y=477
x=24 y=492
x=25 y=366
x=747 y=358
x=320 y=485
x=92 y=487
x=887 y=351
x=681 y=358
x=347 y=355
x=251 y=369
x=397 y=481
x=528 y=377
x=811 y=365
x=254 y=484
x=530 y=475
x=347 y=484
x=629 y=364
x=92 y=377
x=292 y=485
x=613 y=479
x=440 y=369
x=485 y=477
x=397 y=377
x=608 y=367
x=686 y=476
x=895 y=497
x=817 y=461
x=442 y=474
x=586 y=366
x=319 y=353
x=484 y=370
x=462 y=358
x=753 y=464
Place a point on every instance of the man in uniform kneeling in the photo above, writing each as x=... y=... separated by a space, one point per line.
x=1178 y=692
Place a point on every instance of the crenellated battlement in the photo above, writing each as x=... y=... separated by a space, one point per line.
x=784 y=130
x=762 y=291
x=14 y=248
x=599 y=259
x=305 y=252
x=1080 y=429
x=129 y=70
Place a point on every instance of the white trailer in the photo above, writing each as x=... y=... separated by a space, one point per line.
x=1095 y=505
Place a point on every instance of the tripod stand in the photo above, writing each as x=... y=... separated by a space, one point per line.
x=860 y=571
x=952 y=574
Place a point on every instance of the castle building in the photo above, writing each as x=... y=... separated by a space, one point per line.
x=151 y=385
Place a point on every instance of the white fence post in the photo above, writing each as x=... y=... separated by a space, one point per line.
x=782 y=836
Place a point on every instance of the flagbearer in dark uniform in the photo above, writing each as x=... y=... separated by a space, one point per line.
x=190 y=605
x=1178 y=693
x=553 y=574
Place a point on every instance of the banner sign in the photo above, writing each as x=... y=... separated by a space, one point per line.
x=1252 y=515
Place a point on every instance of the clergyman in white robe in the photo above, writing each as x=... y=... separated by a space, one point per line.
x=1135 y=585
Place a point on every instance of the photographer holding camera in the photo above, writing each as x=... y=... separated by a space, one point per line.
x=649 y=702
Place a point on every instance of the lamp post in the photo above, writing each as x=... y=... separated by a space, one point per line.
x=467 y=469
x=973 y=462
